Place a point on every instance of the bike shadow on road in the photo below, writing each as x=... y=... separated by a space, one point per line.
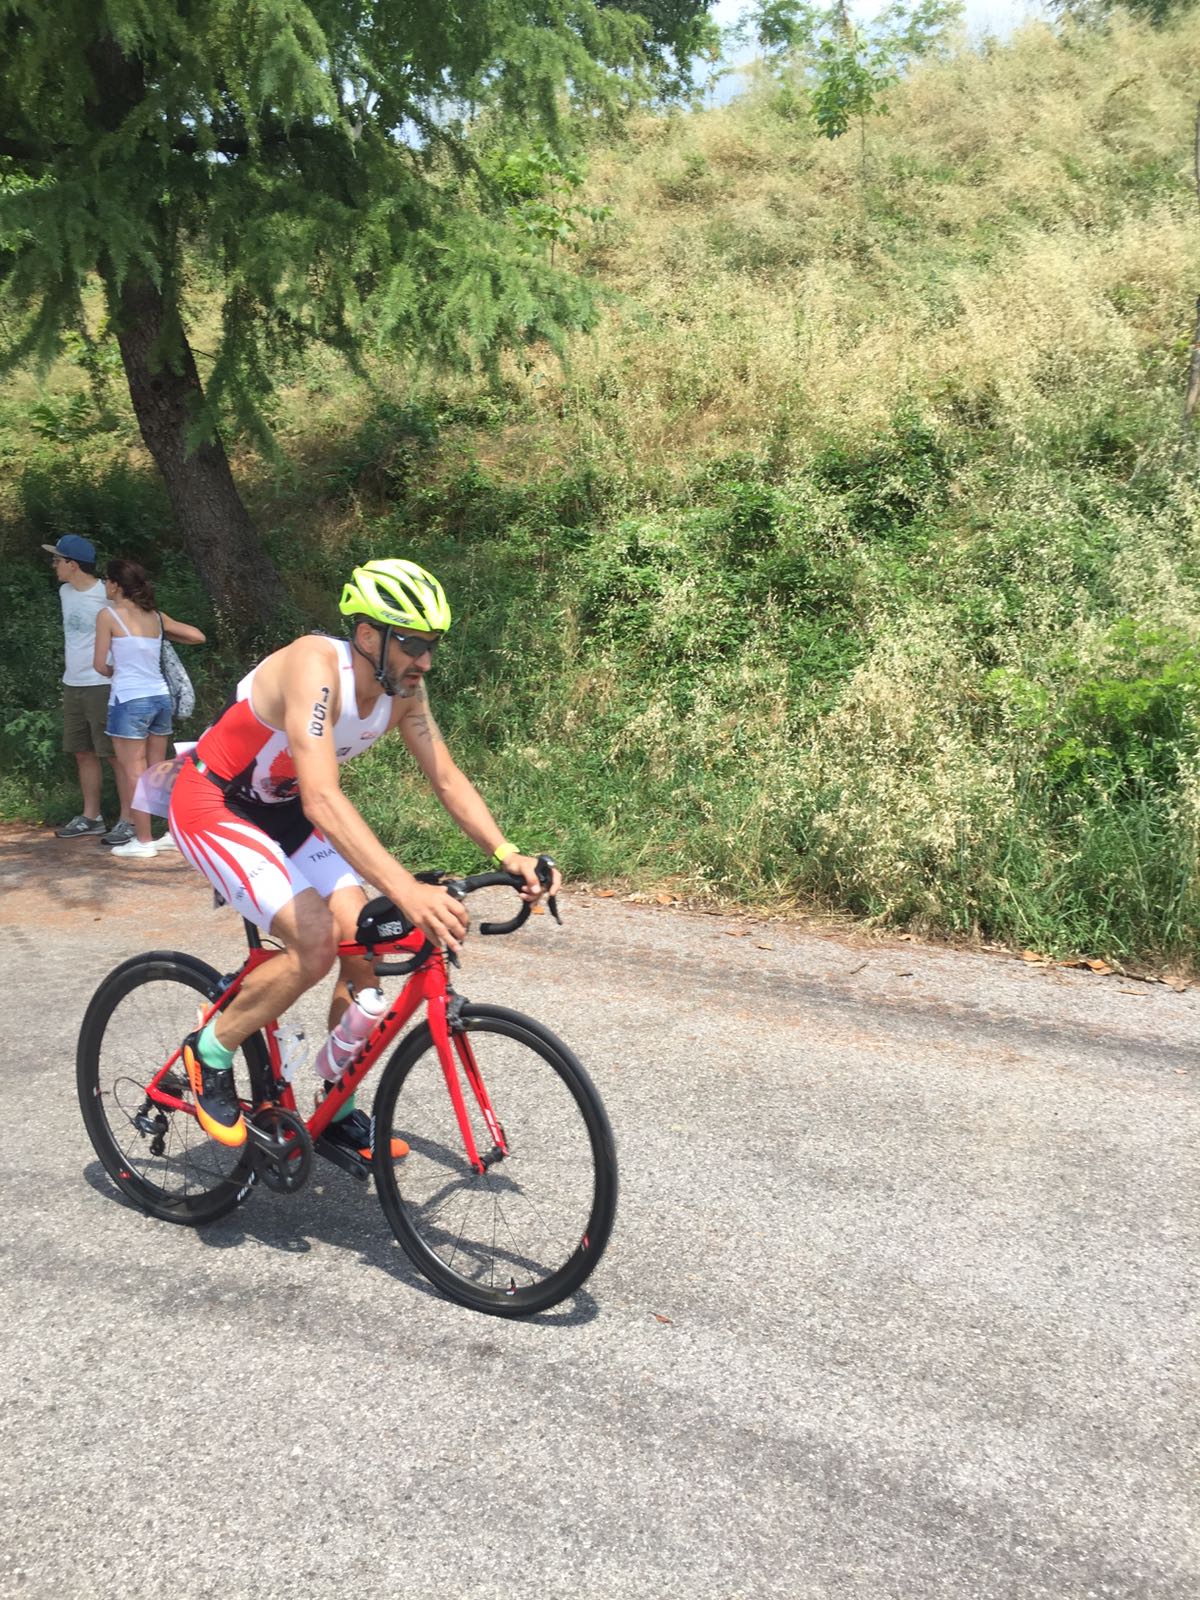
x=340 y=1213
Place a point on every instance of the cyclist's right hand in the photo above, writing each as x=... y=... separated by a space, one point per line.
x=441 y=918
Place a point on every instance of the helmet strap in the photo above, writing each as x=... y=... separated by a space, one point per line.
x=381 y=672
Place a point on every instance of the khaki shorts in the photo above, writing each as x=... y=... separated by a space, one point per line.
x=85 y=711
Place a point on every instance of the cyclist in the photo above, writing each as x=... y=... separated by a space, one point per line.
x=259 y=810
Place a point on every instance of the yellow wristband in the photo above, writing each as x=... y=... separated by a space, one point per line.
x=502 y=852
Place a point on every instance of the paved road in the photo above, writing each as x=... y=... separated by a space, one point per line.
x=901 y=1300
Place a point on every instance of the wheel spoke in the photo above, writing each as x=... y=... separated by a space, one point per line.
x=521 y=1221
x=134 y=1023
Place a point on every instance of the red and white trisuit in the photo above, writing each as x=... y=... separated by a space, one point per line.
x=235 y=808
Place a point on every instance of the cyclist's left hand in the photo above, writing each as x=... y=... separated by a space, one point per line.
x=527 y=867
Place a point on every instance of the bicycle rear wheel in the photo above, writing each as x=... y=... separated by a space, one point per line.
x=526 y=1233
x=160 y=1158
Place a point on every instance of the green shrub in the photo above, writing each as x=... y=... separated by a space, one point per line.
x=121 y=509
x=1132 y=728
x=888 y=489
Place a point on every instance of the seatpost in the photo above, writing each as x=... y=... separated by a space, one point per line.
x=253 y=937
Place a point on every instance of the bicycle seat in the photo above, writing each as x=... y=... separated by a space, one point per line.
x=379 y=921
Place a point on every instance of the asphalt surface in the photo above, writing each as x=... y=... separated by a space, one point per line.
x=900 y=1301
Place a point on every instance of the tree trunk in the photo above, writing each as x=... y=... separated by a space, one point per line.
x=167 y=395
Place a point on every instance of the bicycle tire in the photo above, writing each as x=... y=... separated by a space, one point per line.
x=559 y=1137
x=191 y=1180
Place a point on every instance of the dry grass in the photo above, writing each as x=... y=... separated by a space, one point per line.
x=999 y=243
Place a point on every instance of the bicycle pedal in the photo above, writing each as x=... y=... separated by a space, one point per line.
x=341 y=1157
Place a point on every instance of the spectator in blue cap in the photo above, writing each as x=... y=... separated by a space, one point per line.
x=85 y=692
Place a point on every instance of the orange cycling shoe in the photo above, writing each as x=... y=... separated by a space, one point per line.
x=217 y=1108
x=353 y=1132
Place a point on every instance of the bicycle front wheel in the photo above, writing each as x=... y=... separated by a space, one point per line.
x=160 y=1158
x=524 y=1233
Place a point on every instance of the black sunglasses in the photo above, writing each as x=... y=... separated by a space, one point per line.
x=414 y=647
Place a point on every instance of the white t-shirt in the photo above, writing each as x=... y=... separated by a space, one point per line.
x=80 y=608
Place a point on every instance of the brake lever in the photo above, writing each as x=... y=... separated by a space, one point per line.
x=545 y=876
x=455 y=889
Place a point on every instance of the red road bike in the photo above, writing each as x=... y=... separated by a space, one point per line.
x=507 y=1195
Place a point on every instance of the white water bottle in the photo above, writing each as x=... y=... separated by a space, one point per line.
x=343 y=1044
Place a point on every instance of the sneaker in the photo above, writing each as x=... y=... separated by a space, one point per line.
x=353 y=1133
x=134 y=847
x=165 y=843
x=217 y=1108
x=120 y=833
x=81 y=828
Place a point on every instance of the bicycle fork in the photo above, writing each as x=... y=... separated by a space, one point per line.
x=440 y=1027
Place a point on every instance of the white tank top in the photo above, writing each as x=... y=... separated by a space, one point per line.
x=243 y=748
x=137 y=669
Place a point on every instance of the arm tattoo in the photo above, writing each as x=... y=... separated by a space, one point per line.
x=422 y=726
x=320 y=713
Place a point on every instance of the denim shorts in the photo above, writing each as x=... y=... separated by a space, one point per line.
x=134 y=719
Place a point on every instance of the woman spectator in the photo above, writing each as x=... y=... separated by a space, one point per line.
x=139 y=703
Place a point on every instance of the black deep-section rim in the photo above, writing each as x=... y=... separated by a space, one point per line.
x=581 y=1263
x=122 y=1155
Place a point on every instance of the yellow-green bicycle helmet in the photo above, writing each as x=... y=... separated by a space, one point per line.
x=394 y=595
x=398 y=594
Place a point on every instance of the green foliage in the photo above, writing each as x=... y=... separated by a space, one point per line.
x=118 y=507
x=886 y=488
x=310 y=165
x=1135 y=725
x=384 y=455
x=30 y=672
x=538 y=187
x=848 y=84
x=33 y=738
x=67 y=422
x=845 y=68
x=1094 y=13
x=680 y=32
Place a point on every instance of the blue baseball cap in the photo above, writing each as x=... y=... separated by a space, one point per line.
x=73 y=547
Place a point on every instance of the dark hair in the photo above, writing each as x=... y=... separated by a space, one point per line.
x=87 y=566
x=133 y=582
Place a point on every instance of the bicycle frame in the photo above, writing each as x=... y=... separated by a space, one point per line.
x=428 y=985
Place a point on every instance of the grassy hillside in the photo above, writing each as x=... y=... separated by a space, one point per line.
x=851 y=561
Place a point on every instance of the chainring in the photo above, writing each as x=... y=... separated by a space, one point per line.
x=281 y=1148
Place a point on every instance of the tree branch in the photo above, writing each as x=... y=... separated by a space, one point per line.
x=21 y=150
x=184 y=144
x=240 y=144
